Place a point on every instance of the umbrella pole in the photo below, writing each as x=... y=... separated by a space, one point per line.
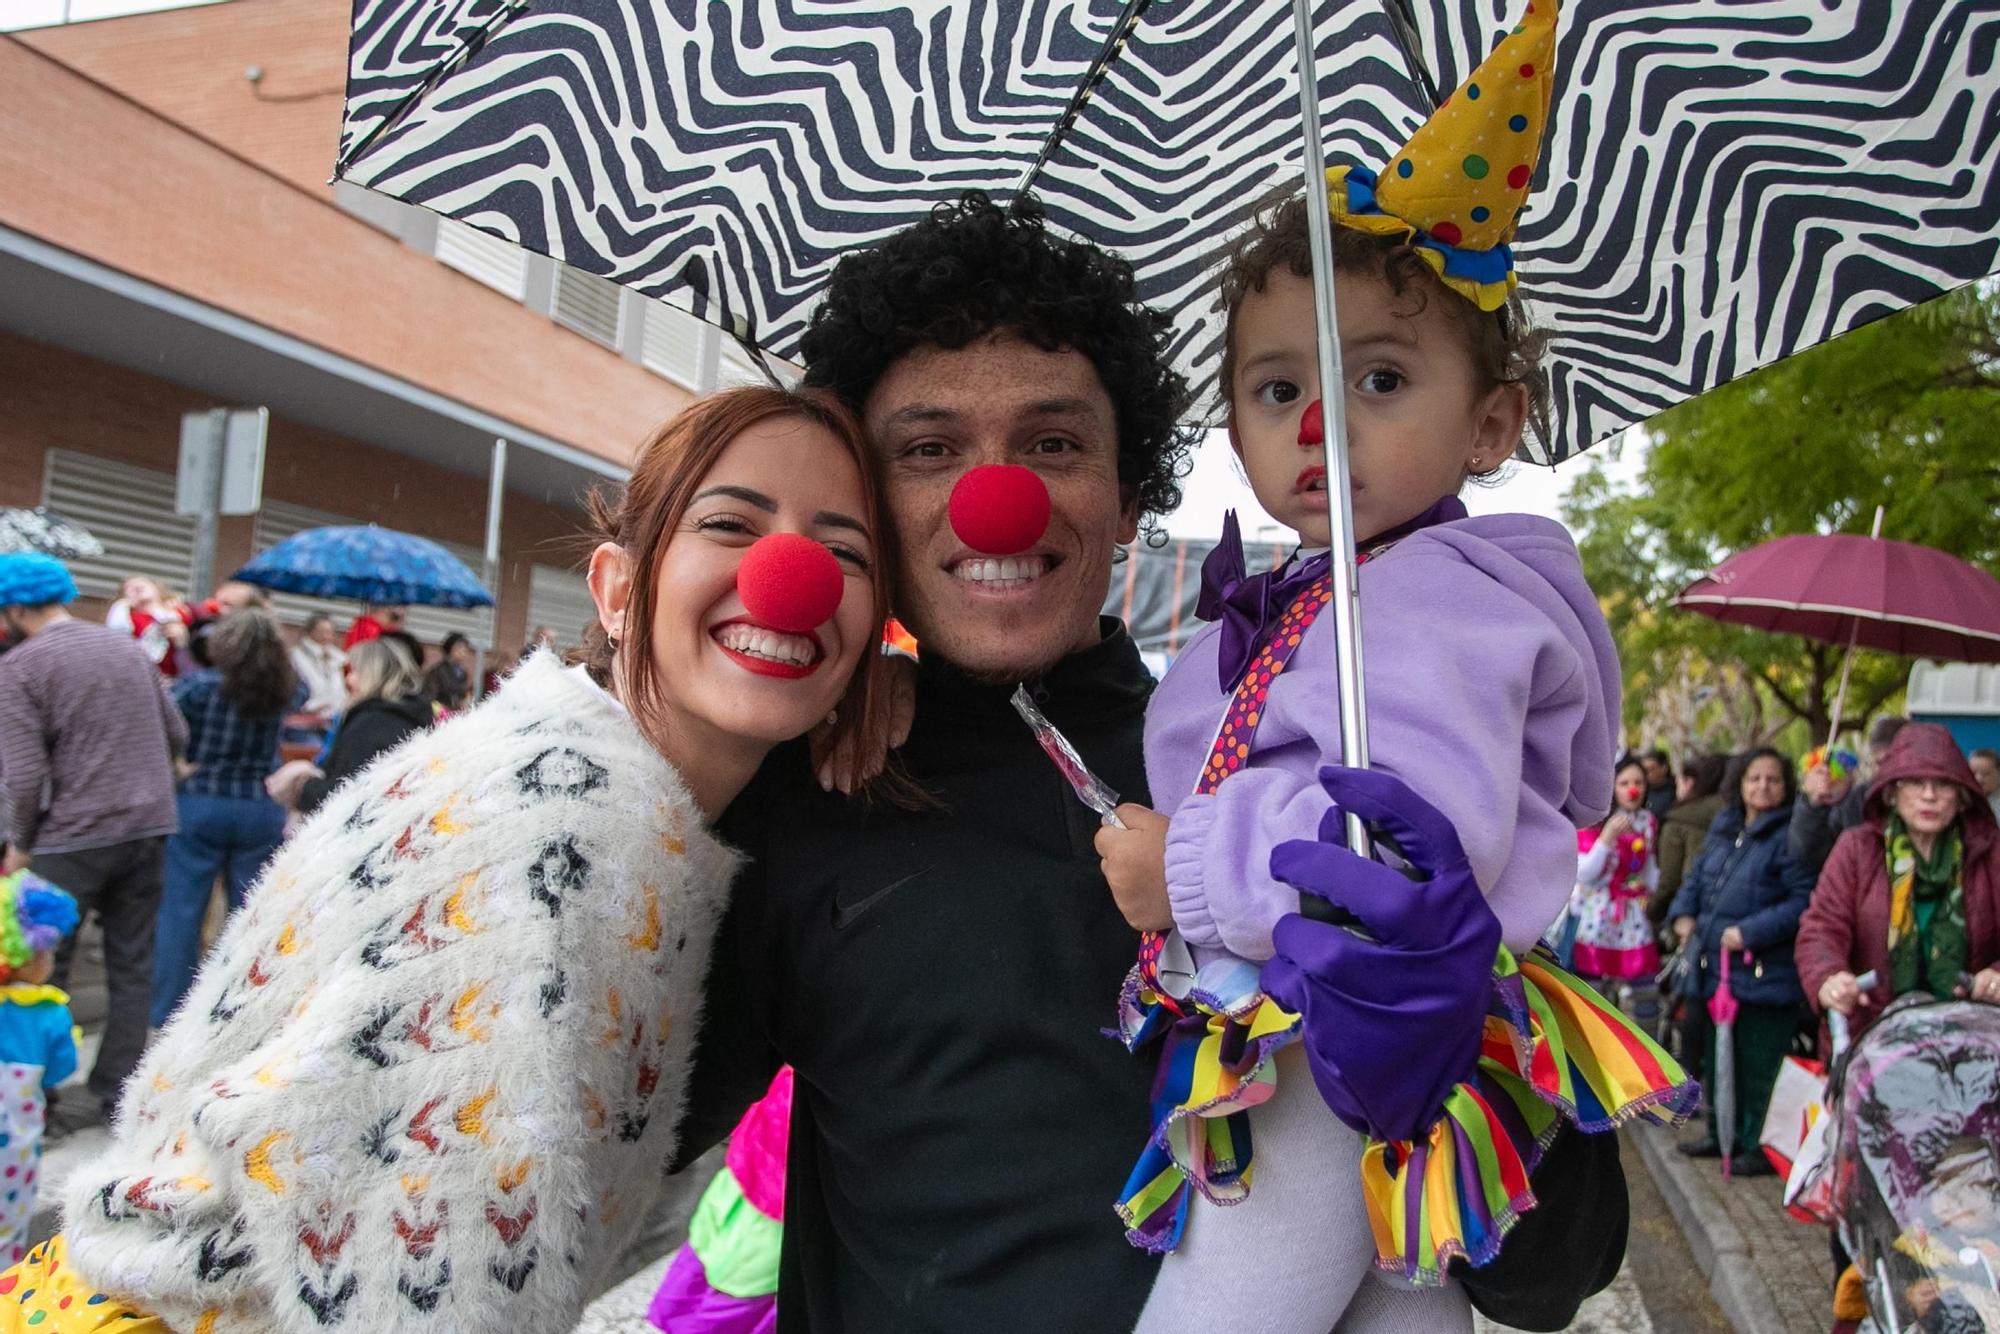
x=1847 y=660
x=1346 y=605
x=1840 y=692
x=496 y=498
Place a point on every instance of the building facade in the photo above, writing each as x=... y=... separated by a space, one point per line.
x=169 y=244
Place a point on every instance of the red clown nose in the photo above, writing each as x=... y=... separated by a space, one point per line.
x=789 y=582
x=1000 y=509
x=1312 y=426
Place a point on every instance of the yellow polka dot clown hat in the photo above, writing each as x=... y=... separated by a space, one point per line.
x=1456 y=189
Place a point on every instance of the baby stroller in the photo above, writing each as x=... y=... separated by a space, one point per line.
x=1915 y=1166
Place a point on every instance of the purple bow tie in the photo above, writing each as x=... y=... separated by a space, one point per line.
x=1249 y=604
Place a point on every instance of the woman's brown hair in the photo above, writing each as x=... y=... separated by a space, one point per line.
x=665 y=477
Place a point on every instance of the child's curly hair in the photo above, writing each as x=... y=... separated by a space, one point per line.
x=1505 y=347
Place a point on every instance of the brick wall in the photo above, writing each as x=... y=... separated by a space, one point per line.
x=95 y=173
x=51 y=397
x=188 y=64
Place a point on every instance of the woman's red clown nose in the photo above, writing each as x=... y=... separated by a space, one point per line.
x=1000 y=509
x=788 y=582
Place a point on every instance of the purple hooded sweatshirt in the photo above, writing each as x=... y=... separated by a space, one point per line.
x=1493 y=691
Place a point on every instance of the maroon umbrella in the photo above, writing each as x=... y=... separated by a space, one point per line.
x=1867 y=592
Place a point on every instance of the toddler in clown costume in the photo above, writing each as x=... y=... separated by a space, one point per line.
x=37 y=1041
x=1617 y=870
x=1492 y=695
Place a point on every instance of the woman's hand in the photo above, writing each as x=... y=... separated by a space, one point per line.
x=1732 y=939
x=1135 y=866
x=1618 y=825
x=1985 y=987
x=848 y=765
x=285 y=784
x=1683 y=928
x=1841 y=993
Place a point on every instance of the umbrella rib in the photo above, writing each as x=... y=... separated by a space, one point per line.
x=1833 y=610
x=468 y=47
x=1403 y=25
x=1114 y=42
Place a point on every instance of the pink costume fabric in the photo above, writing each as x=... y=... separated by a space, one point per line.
x=725 y=1279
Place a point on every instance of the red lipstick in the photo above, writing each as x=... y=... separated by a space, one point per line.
x=756 y=666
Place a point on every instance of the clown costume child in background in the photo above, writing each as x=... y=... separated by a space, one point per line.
x=1492 y=694
x=725 y=1279
x=37 y=1040
x=1617 y=870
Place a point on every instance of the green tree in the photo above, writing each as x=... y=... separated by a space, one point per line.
x=1900 y=413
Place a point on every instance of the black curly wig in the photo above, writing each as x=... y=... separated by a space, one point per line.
x=973 y=267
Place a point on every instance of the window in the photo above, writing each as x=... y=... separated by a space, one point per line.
x=131 y=511
x=499 y=264
x=671 y=343
x=560 y=599
x=587 y=304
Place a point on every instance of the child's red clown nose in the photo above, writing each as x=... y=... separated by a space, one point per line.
x=1312 y=426
x=789 y=582
x=1000 y=509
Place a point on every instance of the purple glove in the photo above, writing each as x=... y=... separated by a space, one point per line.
x=1393 y=1022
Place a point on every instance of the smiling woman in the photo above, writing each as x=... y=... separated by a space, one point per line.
x=435 y=1062
x=711 y=680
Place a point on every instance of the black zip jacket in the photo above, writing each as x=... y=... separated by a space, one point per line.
x=366 y=730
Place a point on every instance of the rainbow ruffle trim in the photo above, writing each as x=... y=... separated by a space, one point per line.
x=1215 y=1064
x=1555 y=1052
x=1483 y=277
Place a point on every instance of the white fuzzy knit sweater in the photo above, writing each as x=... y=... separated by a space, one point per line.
x=433 y=1069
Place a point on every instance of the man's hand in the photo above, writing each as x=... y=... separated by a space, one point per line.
x=16 y=860
x=1683 y=928
x=1135 y=866
x=1732 y=939
x=1841 y=993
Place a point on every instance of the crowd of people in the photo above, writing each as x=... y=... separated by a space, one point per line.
x=430 y=1073
x=1832 y=891
x=515 y=964
x=139 y=781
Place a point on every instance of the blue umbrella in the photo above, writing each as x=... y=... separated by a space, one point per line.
x=368 y=564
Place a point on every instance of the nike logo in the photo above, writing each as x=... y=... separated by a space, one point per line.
x=844 y=914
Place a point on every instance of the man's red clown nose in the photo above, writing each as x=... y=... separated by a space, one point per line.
x=1000 y=509
x=1312 y=426
x=789 y=582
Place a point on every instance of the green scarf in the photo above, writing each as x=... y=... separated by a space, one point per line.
x=1925 y=954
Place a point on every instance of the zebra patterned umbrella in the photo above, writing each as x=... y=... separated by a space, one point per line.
x=1725 y=181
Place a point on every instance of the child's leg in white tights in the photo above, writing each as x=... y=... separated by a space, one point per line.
x=1383 y=1305
x=1291 y=1257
